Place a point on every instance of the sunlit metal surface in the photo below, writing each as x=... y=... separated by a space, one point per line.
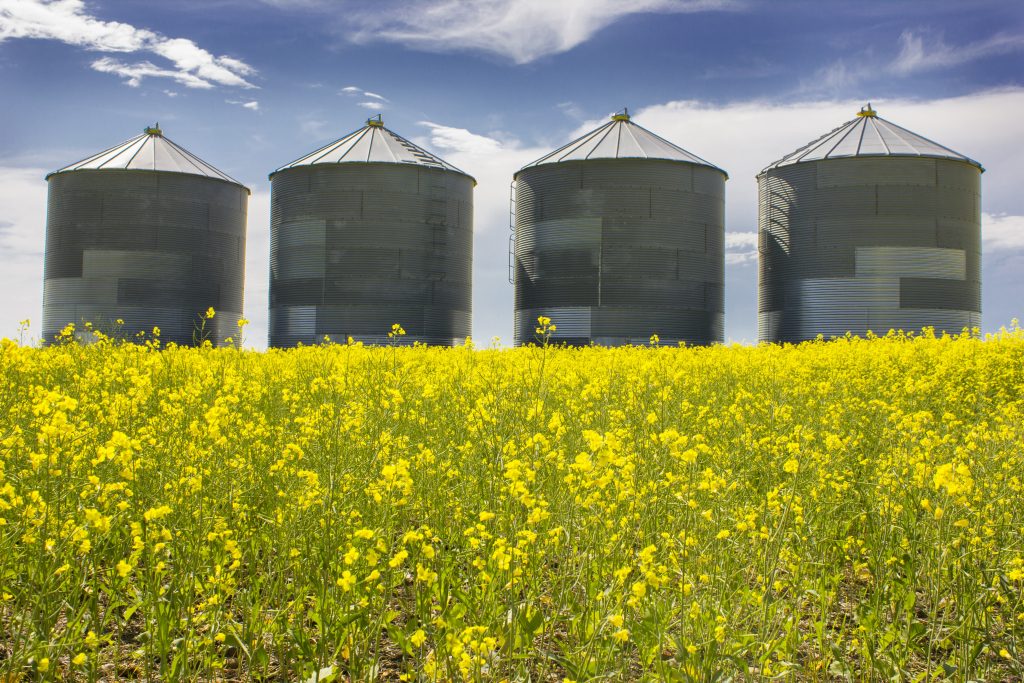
x=854 y=240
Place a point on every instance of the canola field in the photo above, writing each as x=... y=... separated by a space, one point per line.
x=846 y=510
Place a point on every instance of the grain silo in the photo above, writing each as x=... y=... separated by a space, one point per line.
x=620 y=235
x=870 y=227
x=369 y=231
x=149 y=234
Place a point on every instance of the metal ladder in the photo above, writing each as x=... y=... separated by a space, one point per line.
x=512 y=233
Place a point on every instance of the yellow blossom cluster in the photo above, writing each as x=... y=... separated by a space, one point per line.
x=848 y=510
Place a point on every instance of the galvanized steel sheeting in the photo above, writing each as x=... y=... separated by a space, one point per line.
x=615 y=250
x=620 y=138
x=373 y=143
x=357 y=247
x=869 y=135
x=154 y=249
x=863 y=244
x=149 y=151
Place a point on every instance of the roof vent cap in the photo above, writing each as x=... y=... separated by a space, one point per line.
x=867 y=112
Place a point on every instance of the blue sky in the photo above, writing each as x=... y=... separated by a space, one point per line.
x=490 y=85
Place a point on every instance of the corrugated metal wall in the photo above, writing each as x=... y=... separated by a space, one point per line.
x=868 y=244
x=615 y=250
x=151 y=248
x=357 y=247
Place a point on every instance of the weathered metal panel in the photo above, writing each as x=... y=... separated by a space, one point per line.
x=862 y=244
x=573 y=326
x=151 y=248
x=357 y=247
x=614 y=250
x=948 y=264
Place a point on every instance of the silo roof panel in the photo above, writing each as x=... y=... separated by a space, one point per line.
x=620 y=138
x=150 y=151
x=870 y=135
x=372 y=144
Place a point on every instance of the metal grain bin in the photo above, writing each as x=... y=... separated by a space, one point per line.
x=620 y=235
x=366 y=232
x=870 y=227
x=147 y=233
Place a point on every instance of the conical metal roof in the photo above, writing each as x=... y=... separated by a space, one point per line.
x=373 y=143
x=869 y=135
x=620 y=138
x=150 y=151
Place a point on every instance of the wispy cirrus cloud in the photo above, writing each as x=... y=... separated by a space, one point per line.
x=68 y=21
x=374 y=101
x=520 y=30
x=921 y=51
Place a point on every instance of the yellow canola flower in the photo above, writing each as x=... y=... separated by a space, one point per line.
x=346 y=581
x=418 y=638
x=509 y=499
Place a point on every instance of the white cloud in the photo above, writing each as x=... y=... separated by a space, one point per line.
x=134 y=73
x=740 y=247
x=921 y=51
x=191 y=58
x=22 y=231
x=257 y=265
x=170 y=93
x=69 y=22
x=251 y=105
x=461 y=141
x=376 y=102
x=1001 y=232
x=918 y=55
x=522 y=31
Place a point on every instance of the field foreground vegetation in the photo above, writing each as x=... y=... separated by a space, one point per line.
x=843 y=510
